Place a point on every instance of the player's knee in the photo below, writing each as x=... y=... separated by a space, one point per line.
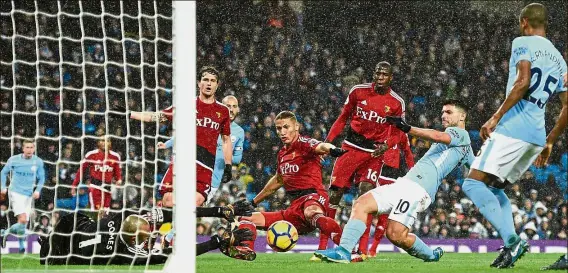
x=395 y=234
x=311 y=211
x=364 y=187
x=335 y=195
x=360 y=206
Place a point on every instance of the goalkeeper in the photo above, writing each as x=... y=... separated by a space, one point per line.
x=113 y=240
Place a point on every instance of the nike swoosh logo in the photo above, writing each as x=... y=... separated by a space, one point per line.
x=516 y=250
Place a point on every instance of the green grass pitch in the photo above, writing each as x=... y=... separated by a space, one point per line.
x=291 y=262
x=386 y=262
x=22 y=263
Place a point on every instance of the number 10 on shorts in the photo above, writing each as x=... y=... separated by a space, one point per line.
x=402 y=207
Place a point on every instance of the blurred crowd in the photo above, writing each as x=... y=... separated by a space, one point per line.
x=79 y=92
x=280 y=55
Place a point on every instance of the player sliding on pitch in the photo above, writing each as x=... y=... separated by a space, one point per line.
x=412 y=193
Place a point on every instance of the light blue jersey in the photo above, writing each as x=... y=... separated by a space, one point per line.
x=237 y=138
x=442 y=159
x=25 y=173
x=525 y=120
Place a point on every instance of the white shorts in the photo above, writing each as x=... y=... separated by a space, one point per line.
x=403 y=199
x=20 y=203
x=505 y=157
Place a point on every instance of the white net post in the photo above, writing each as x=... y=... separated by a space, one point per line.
x=89 y=59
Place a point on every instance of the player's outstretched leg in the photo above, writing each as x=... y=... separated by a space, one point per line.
x=335 y=195
x=351 y=232
x=491 y=208
x=380 y=230
x=400 y=236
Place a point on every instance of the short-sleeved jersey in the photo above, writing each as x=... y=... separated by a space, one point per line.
x=102 y=167
x=442 y=159
x=525 y=120
x=25 y=173
x=212 y=120
x=300 y=166
x=367 y=110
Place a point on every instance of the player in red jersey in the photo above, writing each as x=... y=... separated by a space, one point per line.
x=103 y=165
x=390 y=171
x=166 y=185
x=212 y=119
x=366 y=106
x=299 y=172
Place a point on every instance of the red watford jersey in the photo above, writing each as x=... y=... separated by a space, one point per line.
x=212 y=119
x=367 y=111
x=101 y=167
x=392 y=155
x=300 y=166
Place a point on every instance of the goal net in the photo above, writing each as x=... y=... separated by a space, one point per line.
x=71 y=71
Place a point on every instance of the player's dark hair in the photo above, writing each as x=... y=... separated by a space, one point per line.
x=384 y=65
x=536 y=15
x=208 y=69
x=458 y=104
x=286 y=115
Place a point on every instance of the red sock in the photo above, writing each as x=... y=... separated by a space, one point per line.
x=364 y=241
x=323 y=237
x=379 y=231
x=248 y=225
x=328 y=227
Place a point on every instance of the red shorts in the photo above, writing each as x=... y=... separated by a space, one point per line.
x=387 y=176
x=295 y=212
x=203 y=180
x=355 y=166
x=167 y=182
x=99 y=199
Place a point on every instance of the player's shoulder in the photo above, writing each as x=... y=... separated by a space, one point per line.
x=221 y=105
x=361 y=87
x=91 y=153
x=236 y=128
x=459 y=133
x=37 y=158
x=397 y=97
x=115 y=154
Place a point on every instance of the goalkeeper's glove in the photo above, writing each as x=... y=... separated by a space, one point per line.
x=227 y=173
x=337 y=152
x=399 y=123
x=243 y=208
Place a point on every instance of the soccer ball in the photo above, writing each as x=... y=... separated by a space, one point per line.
x=282 y=236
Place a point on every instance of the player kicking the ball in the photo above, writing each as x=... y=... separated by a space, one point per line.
x=412 y=193
x=299 y=171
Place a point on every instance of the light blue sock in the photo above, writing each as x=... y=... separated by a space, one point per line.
x=352 y=232
x=420 y=250
x=22 y=233
x=489 y=206
x=509 y=235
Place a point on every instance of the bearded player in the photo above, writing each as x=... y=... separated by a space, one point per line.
x=299 y=172
x=366 y=106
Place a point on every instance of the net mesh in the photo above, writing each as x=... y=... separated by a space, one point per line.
x=70 y=72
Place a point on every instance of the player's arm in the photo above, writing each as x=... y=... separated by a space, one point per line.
x=273 y=185
x=325 y=148
x=40 y=173
x=520 y=88
x=340 y=122
x=559 y=127
x=78 y=175
x=238 y=149
x=227 y=147
x=428 y=134
x=147 y=116
x=4 y=175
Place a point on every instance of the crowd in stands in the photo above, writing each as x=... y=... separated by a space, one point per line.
x=277 y=56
